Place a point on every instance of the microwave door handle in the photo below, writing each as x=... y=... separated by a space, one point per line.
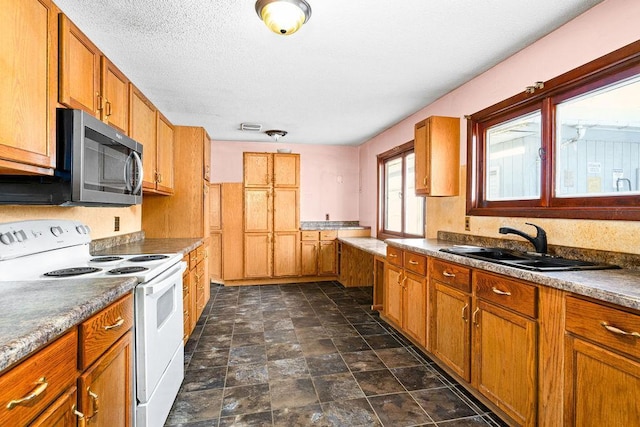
x=140 y=174
x=127 y=169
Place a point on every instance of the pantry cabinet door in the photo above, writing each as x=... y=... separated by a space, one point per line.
x=257 y=210
x=257 y=255
x=286 y=256
x=285 y=209
x=258 y=169
x=286 y=170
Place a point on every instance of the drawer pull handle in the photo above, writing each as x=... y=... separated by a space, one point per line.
x=618 y=331
x=464 y=313
x=41 y=386
x=116 y=325
x=393 y=256
x=447 y=274
x=412 y=262
x=81 y=420
x=95 y=403
x=499 y=292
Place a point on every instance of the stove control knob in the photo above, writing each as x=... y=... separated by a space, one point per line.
x=6 y=239
x=56 y=231
x=81 y=230
x=21 y=236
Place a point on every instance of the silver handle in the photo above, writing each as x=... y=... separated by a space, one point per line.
x=499 y=292
x=127 y=172
x=619 y=331
x=140 y=174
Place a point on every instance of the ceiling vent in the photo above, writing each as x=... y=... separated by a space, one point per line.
x=251 y=127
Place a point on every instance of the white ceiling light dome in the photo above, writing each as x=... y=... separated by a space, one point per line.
x=283 y=17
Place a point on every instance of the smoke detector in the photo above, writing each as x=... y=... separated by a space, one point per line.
x=251 y=127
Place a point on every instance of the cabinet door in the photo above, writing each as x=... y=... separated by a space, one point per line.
x=164 y=155
x=257 y=255
x=286 y=170
x=258 y=169
x=504 y=369
x=286 y=258
x=28 y=87
x=142 y=128
x=601 y=387
x=393 y=295
x=115 y=91
x=327 y=258
x=61 y=413
x=415 y=307
x=206 y=158
x=285 y=209
x=257 y=210
x=79 y=70
x=105 y=388
x=309 y=255
x=437 y=154
x=232 y=231
x=215 y=207
x=450 y=333
x=215 y=257
x=422 y=157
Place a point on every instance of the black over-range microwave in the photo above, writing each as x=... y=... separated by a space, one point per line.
x=95 y=166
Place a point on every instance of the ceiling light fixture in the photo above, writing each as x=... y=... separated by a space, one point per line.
x=283 y=16
x=276 y=134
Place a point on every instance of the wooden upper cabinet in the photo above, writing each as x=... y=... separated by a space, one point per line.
x=286 y=170
x=164 y=154
x=207 y=158
x=28 y=87
x=286 y=215
x=437 y=156
x=258 y=169
x=114 y=88
x=142 y=128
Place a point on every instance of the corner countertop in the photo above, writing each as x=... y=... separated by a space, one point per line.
x=621 y=287
x=35 y=313
x=368 y=244
x=153 y=246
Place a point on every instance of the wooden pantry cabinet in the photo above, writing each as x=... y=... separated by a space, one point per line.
x=85 y=376
x=226 y=225
x=437 y=156
x=28 y=88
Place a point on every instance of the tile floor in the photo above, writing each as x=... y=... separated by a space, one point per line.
x=311 y=355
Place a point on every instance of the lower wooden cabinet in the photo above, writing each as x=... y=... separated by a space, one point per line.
x=286 y=254
x=62 y=413
x=196 y=288
x=319 y=252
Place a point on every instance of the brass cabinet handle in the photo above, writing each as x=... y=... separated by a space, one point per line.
x=81 y=419
x=499 y=292
x=447 y=274
x=619 y=331
x=474 y=320
x=119 y=322
x=41 y=386
x=95 y=403
x=108 y=109
x=393 y=256
x=412 y=262
x=464 y=313
x=424 y=181
x=99 y=101
x=404 y=282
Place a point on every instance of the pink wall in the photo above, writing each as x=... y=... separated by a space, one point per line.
x=328 y=175
x=602 y=29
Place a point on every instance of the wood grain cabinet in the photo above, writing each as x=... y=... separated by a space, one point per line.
x=437 y=156
x=602 y=365
x=96 y=357
x=319 y=252
x=28 y=87
x=89 y=80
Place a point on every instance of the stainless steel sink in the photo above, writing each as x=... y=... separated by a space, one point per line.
x=525 y=260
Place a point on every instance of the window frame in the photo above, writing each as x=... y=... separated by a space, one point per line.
x=396 y=152
x=615 y=66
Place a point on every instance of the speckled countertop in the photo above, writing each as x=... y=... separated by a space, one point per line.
x=34 y=313
x=367 y=244
x=332 y=225
x=153 y=246
x=620 y=287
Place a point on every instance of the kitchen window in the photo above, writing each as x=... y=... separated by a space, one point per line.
x=401 y=211
x=566 y=148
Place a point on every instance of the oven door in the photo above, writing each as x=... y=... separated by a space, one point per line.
x=159 y=328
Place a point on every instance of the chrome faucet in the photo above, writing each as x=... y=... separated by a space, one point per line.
x=539 y=242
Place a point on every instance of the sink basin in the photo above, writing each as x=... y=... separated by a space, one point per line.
x=525 y=260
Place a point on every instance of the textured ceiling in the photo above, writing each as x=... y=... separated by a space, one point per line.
x=355 y=69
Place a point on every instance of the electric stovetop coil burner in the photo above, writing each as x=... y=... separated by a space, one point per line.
x=106 y=259
x=127 y=270
x=144 y=258
x=70 y=272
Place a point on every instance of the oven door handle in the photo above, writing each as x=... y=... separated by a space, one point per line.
x=161 y=284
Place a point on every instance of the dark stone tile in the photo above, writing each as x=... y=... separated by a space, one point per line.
x=333 y=319
x=418 y=377
x=250 y=374
x=213 y=342
x=245 y=400
x=378 y=382
x=274 y=314
x=204 y=379
x=382 y=341
x=442 y=404
x=397 y=357
x=209 y=359
x=292 y=393
x=311 y=334
x=326 y=364
x=350 y=344
x=337 y=387
x=399 y=410
x=345 y=330
x=286 y=336
x=370 y=329
x=318 y=347
x=195 y=406
x=217 y=329
x=363 y=361
x=287 y=368
x=278 y=324
x=261 y=419
x=468 y=422
x=303 y=416
x=243 y=327
x=305 y=322
x=351 y=413
x=243 y=340
x=280 y=351
x=250 y=354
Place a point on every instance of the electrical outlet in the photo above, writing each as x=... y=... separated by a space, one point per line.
x=326 y=217
x=116 y=223
x=467 y=225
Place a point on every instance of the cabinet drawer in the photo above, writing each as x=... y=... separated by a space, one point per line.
x=54 y=365
x=415 y=263
x=605 y=325
x=193 y=259
x=99 y=332
x=328 y=234
x=309 y=235
x=508 y=293
x=394 y=256
x=199 y=253
x=452 y=274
